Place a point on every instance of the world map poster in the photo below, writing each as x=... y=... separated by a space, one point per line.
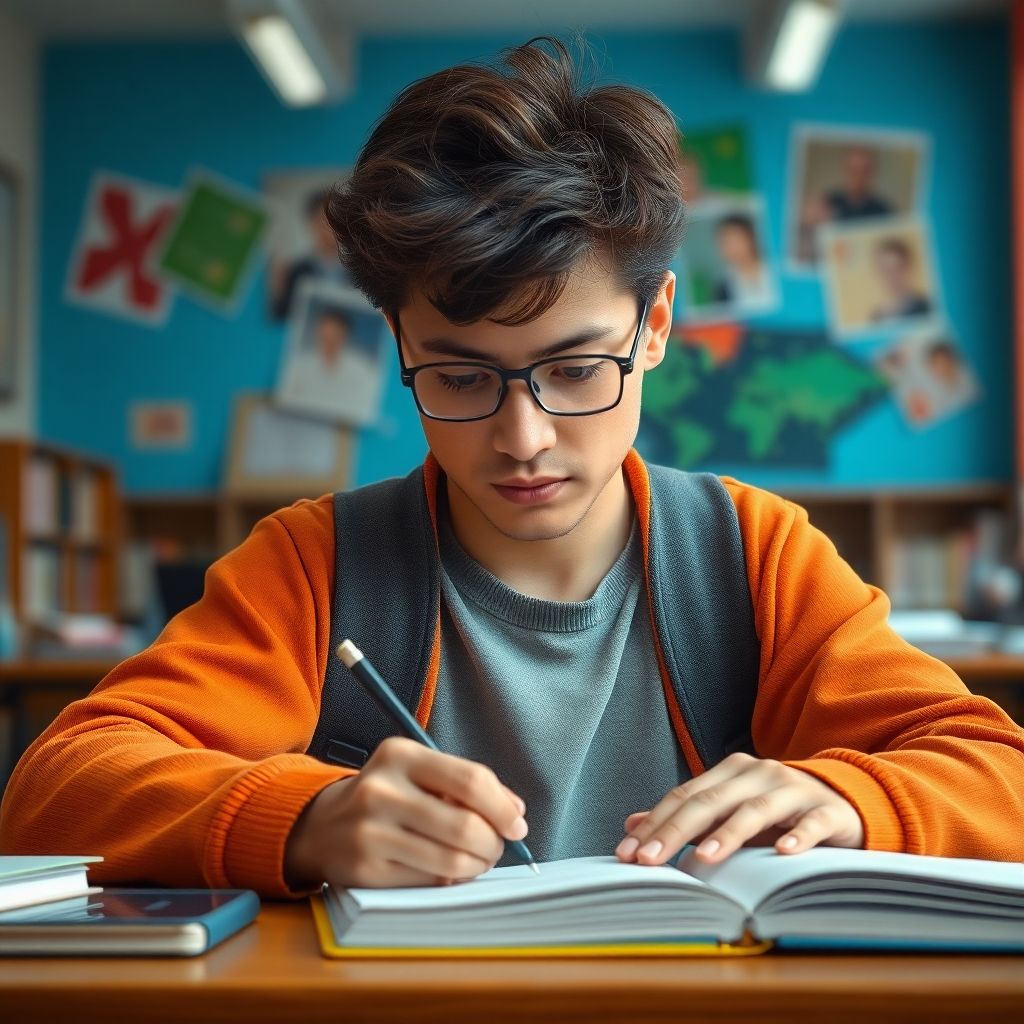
x=728 y=395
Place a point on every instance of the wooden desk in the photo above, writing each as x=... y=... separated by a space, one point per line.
x=999 y=677
x=273 y=971
x=984 y=668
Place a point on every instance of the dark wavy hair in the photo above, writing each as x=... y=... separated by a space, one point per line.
x=486 y=189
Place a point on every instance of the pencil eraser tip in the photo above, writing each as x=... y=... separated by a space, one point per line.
x=349 y=653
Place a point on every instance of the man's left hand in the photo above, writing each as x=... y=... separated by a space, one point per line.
x=742 y=800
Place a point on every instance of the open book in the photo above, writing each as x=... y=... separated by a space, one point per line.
x=757 y=898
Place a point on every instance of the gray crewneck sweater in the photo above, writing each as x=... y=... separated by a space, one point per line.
x=562 y=699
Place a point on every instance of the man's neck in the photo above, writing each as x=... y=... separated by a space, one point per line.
x=567 y=568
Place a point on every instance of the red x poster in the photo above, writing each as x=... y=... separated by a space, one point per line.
x=122 y=228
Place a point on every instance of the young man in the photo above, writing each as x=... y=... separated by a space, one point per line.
x=629 y=656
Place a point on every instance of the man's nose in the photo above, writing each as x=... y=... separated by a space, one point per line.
x=522 y=428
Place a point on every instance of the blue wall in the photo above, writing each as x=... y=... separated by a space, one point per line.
x=154 y=111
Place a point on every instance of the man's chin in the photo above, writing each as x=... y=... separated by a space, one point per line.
x=530 y=523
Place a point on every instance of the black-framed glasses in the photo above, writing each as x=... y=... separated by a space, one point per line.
x=561 y=385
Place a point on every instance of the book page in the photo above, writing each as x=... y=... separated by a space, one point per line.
x=753 y=873
x=519 y=884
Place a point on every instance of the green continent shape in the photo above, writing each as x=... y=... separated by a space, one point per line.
x=693 y=442
x=816 y=390
x=677 y=378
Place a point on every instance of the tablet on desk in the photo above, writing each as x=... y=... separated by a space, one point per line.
x=129 y=922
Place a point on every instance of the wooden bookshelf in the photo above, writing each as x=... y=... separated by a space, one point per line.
x=879 y=531
x=62 y=529
x=200 y=525
x=873 y=529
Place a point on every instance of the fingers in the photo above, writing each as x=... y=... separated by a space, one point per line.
x=689 y=810
x=431 y=857
x=520 y=803
x=472 y=785
x=814 y=827
x=451 y=825
x=740 y=800
x=634 y=819
x=750 y=818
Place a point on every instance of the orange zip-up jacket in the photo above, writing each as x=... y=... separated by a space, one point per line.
x=186 y=764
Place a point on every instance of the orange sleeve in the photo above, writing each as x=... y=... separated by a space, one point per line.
x=930 y=767
x=185 y=765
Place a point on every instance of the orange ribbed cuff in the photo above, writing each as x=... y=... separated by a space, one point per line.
x=845 y=772
x=261 y=813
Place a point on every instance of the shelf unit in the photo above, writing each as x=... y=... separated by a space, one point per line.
x=874 y=530
x=62 y=531
x=198 y=526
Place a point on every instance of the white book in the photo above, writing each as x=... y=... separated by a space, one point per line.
x=824 y=897
x=27 y=880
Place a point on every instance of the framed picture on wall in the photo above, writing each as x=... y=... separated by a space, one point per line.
x=840 y=174
x=8 y=283
x=273 y=452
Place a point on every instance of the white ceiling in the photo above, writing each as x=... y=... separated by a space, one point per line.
x=62 y=19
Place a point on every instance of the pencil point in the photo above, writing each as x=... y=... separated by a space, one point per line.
x=534 y=868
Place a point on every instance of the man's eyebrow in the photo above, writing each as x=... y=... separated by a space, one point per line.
x=450 y=347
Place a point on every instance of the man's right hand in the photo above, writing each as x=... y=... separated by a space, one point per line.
x=412 y=816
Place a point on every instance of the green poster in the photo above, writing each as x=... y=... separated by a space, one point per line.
x=722 y=156
x=214 y=240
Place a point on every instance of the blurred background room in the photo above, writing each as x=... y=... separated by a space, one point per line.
x=181 y=352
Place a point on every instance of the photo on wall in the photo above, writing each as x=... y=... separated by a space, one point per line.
x=273 y=452
x=879 y=274
x=723 y=267
x=335 y=356
x=930 y=378
x=302 y=246
x=839 y=175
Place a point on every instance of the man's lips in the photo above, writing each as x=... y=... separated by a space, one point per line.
x=530 y=492
x=527 y=484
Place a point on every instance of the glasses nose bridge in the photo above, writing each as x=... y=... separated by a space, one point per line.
x=525 y=374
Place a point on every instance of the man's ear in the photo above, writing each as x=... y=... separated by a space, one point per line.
x=659 y=322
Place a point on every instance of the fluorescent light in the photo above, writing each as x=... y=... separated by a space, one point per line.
x=800 y=45
x=284 y=60
x=304 y=63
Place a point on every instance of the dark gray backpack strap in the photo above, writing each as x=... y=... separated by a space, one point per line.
x=386 y=601
x=703 y=611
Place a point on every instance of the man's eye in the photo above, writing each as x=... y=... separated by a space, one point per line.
x=580 y=372
x=461 y=381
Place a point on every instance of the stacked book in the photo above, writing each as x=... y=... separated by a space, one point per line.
x=45 y=888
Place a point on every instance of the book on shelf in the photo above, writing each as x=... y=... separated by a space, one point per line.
x=39 y=496
x=755 y=900
x=78 y=635
x=85 y=506
x=41 y=583
x=29 y=880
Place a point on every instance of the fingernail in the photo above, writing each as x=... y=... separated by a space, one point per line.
x=521 y=804
x=519 y=829
x=708 y=847
x=652 y=849
x=627 y=847
x=787 y=842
